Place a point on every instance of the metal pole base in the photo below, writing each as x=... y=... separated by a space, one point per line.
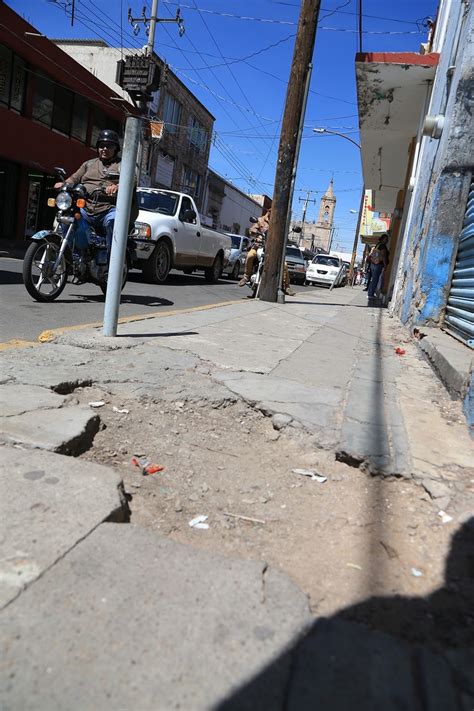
x=281 y=297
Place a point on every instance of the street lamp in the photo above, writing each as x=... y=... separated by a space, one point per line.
x=336 y=133
x=356 y=237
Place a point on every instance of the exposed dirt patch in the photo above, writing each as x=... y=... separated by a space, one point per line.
x=341 y=541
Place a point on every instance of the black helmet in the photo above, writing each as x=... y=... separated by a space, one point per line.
x=108 y=135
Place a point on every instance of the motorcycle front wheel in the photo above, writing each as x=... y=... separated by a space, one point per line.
x=41 y=280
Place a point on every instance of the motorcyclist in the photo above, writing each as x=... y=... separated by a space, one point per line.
x=258 y=232
x=100 y=173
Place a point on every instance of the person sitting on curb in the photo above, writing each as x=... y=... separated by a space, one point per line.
x=259 y=231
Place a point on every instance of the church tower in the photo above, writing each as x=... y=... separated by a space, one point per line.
x=324 y=225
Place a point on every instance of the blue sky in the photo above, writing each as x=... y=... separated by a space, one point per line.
x=247 y=96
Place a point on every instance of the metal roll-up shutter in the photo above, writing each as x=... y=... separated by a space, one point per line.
x=460 y=308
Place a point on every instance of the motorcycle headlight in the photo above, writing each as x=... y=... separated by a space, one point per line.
x=63 y=201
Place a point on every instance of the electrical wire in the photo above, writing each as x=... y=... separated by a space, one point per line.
x=239 y=87
x=285 y=22
x=221 y=99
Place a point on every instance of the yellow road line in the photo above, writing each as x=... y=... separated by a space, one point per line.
x=16 y=343
x=50 y=335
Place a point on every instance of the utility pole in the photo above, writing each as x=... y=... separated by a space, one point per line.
x=356 y=236
x=151 y=33
x=306 y=200
x=287 y=152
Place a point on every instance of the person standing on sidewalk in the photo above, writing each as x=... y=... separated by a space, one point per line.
x=379 y=258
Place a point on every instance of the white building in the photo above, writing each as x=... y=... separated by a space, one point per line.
x=226 y=207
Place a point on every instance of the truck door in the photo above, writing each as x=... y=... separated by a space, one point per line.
x=188 y=238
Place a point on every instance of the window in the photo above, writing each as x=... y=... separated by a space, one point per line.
x=62 y=110
x=80 y=118
x=197 y=135
x=98 y=125
x=5 y=74
x=166 y=203
x=12 y=79
x=43 y=100
x=191 y=182
x=172 y=114
x=100 y=122
x=18 y=85
x=186 y=204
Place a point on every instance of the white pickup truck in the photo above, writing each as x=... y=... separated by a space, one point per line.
x=170 y=236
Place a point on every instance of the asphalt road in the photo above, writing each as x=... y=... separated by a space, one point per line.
x=25 y=319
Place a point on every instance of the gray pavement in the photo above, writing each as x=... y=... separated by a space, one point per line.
x=110 y=616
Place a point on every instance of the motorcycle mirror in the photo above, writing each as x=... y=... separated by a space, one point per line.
x=253 y=219
x=112 y=176
x=61 y=173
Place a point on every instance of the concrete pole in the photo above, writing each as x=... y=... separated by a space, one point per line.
x=281 y=206
x=151 y=33
x=121 y=226
x=356 y=236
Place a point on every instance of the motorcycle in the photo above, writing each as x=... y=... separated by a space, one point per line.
x=72 y=248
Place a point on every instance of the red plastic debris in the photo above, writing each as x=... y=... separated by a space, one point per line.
x=400 y=351
x=146 y=465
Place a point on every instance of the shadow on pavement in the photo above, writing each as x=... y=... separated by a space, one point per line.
x=158 y=335
x=384 y=654
x=152 y=301
x=330 y=303
x=176 y=278
x=8 y=277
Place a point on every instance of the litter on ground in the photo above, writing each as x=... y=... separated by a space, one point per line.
x=311 y=474
x=199 y=522
x=146 y=465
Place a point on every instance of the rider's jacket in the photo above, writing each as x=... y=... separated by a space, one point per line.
x=92 y=174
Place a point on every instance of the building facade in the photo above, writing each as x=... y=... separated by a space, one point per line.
x=179 y=159
x=51 y=111
x=417 y=140
x=229 y=209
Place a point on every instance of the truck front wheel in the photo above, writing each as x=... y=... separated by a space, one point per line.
x=214 y=273
x=158 y=265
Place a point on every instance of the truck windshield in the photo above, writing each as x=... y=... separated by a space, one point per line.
x=326 y=261
x=165 y=203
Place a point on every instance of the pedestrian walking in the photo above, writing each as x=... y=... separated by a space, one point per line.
x=378 y=258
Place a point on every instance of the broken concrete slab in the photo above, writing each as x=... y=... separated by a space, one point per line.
x=451 y=359
x=256 y=387
x=67 y=430
x=48 y=504
x=134 y=617
x=15 y=399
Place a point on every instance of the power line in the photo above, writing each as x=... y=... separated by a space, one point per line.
x=242 y=59
x=239 y=86
x=289 y=22
x=241 y=109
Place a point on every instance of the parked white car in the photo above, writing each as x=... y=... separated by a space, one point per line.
x=170 y=235
x=324 y=269
x=238 y=255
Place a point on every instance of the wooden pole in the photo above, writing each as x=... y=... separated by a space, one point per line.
x=302 y=55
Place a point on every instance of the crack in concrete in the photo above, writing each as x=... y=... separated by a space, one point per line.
x=68 y=386
x=264 y=574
